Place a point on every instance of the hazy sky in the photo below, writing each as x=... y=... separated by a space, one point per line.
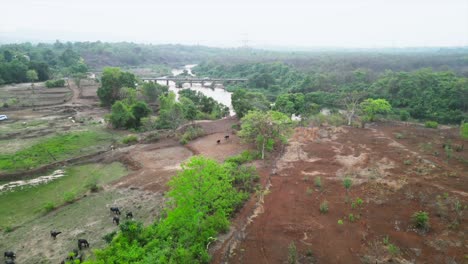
x=306 y=23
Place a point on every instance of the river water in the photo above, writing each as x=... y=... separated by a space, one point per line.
x=218 y=92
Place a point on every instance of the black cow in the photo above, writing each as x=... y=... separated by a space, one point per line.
x=218 y=141
x=129 y=215
x=115 y=210
x=226 y=137
x=9 y=254
x=54 y=234
x=83 y=243
x=116 y=220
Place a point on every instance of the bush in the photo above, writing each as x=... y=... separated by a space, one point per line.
x=318 y=182
x=421 y=220
x=55 y=83
x=69 y=197
x=191 y=133
x=49 y=206
x=464 y=130
x=357 y=203
x=324 y=207
x=244 y=157
x=431 y=124
x=92 y=185
x=340 y=222
x=404 y=115
x=130 y=139
x=292 y=258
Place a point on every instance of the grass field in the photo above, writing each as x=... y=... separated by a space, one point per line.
x=56 y=148
x=23 y=205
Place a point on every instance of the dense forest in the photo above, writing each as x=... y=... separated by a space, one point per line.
x=428 y=83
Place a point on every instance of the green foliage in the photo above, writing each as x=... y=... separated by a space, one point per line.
x=108 y=237
x=31 y=75
x=323 y=207
x=340 y=222
x=357 y=203
x=171 y=113
x=404 y=115
x=347 y=183
x=49 y=206
x=55 y=83
x=69 y=197
x=318 y=182
x=431 y=124
x=244 y=101
x=464 y=130
x=151 y=91
x=191 y=133
x=292 y=253
x=372 y=107
x=112 y=81
x=139 y=111
x=244 y=157
x=202 y=197
x=266 y=130
x=121 y=116
x=421 y=220
x=130 y=139
x=51 y=149
x=291 y=103
x=200 y=106
x=393 y=250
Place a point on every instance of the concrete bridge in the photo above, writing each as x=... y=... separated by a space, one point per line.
x=192 y=80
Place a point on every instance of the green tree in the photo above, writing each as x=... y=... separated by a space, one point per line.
x=190 y=110
x=32 y=77
x=265 y=129
x=171 y=113
x=291 y=103
x=151 y=91
x=464 y=130
x=244 y=101
x=121 y=116
x=371 y=107
x=112 y=81
x=140 y=110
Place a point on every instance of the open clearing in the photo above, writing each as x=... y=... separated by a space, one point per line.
x=393 y=177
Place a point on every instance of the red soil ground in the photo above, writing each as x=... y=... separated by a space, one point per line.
x=394 y=177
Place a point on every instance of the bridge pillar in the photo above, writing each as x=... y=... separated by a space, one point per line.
x=190 y=83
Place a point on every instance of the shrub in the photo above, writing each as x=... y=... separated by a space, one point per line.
x=347 y=183
x=309 y=191
x=292 y=257
x=55 y=83
x=357 y=203
x=49 y=206
x=244 y=157
x=92 y=185
x=407 y=162
x=351 y=218
x=191 y=133
x=340 y=222
x=404 y=115
x=324 y=207
x=421 y=220
x=130 y=139
x=464 y=130
x=69 y=197
x=108 y=237
x=318 y=182
x=399 y=136
x=431 y=124
x=393 y=250
x=8 y=229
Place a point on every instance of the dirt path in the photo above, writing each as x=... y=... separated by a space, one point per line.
x=391 y=192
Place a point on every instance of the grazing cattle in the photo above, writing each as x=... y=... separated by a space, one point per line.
x=129 y=215
x=115 y=210
x=226 y=137
x=9 y=254
x=116 y=220
x=54 y=234
x=83 y=243
x=218 y=141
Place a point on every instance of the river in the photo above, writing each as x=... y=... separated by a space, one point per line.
x=218 y=92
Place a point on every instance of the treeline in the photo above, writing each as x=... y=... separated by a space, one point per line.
x=426 y=94
x=46 y=60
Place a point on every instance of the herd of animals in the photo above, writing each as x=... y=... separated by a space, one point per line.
x=10 y=256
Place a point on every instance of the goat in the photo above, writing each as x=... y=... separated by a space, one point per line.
x=226 y=137
x=83 y=243
x=129 y=215
x=116 y=220
x=115 y=210
x=9 y=254
x=218 y=141
x=54 y=234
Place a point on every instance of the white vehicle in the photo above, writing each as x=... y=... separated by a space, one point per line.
x=3 y=117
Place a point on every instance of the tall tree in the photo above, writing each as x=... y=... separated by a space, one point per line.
x=265 y=129
x=112 y=80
